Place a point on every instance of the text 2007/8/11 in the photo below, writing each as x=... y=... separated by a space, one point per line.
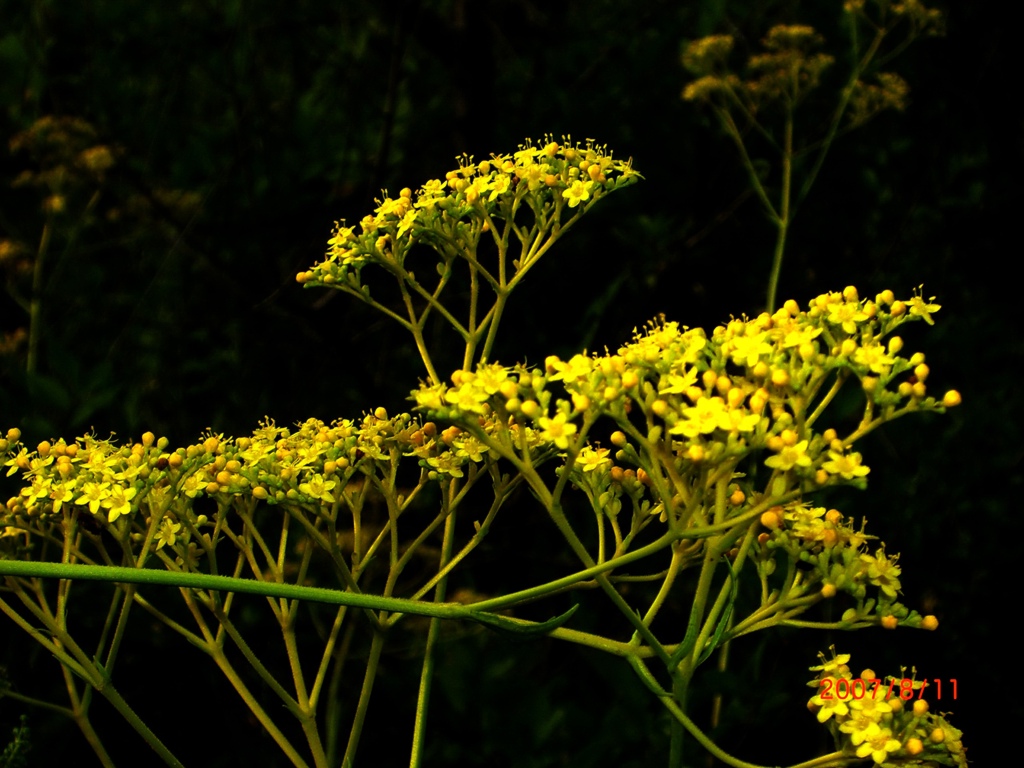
x=842 y=688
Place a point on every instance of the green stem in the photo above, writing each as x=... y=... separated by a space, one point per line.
x=427 y=674
x=35 y=312
x=372 y=664
x=110 y=694
x=783 y=219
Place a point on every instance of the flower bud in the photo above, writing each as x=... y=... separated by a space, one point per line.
x=890 y=622
x=920 y=708
x=914 y=746
x=951 y=399
x=930 y=623
x=773 y=518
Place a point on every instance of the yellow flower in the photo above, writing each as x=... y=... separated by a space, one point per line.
x=62 y=493
x=118 y=502
x=883 y=572
x=168 y=533
x=878 y=742
x=318 y=488
x=676 y=384
x=848 y=315
x=557 y=430
x=873 y=357
x=446 y=464
x=747 y=350
x=94 y=494
x=707 y=415
x=789 y=457
x=848 y=467
x=921 y=308
x=578 y=192
x=591 y=460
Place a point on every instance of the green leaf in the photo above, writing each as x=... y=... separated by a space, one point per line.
x=511 y=626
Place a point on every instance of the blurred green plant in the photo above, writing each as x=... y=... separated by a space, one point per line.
x=762 y=103
x=14 y=754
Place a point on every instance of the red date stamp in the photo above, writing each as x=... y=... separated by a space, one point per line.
x=843 y=689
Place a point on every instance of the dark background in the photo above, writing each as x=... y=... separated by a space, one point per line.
x=242 y=130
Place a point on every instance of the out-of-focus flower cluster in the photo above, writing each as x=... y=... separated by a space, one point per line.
x=550 y=179
x=790 y=64
x=786 y=71
x=875 y=717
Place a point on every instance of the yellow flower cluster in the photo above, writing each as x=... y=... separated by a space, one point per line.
x=876 y=718
x=312 y=465
x=448 y=214
x=839 y=562
x=751 y=384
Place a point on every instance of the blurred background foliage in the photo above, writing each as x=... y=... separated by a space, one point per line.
x=171 y=166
